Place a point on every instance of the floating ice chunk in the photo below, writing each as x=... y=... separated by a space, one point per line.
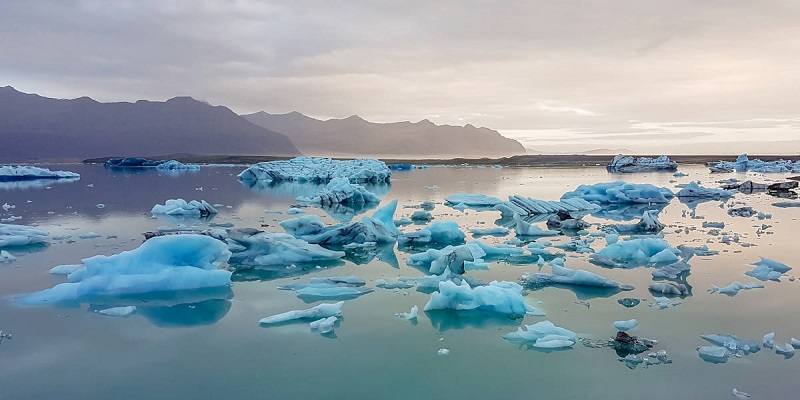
x=663 y=303
x=543 y=334
x=740 y=394
x=566 y=276
x=732 y=343
x=409 y=315
x=625 y=326
x=735 y=287
x=693 y=189
x=118 y=311
x=620 y=192
x=6 y=257
x=341 y=191
x=767 y=269
x=785 y=349
x=718 y=225
x=89 y=235
x=441 y=232
x=421 y=215
x=786 y=204
x=498 y=231
x=163 y=263
x=473 y=200
x=65 y=269
x=326 y=289
x=174 y=165
x=501 y=297
x=624 y=164
x=769 y=340
x=27 y=173
x=525 y=206
x=384 y=284
x=321 y=311
x=635 y=252
x=379 y=229
x=304 y=169
x=323 y=325
x=796 y=343
x=295 y=210
x=450 y=258
x=20 y=235
x=181 y=207
x=669 y=288
x=743 y=164
x=7 y=206
x=443 y=352
x=713 y=354
x=526 y=229
x=264 y=249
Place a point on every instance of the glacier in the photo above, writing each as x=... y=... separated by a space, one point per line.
x=305 y=169
x=161 y=264
x=625 y=164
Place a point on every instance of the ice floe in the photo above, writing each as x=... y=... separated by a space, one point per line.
x=767 y=269
x=323 y=310
x=473 y=200
x=543 y=334
x=180 y=207
x=304 y=169
x=567 y=276
x=440 y=232
x=174 y=165
x=620 y=192
x=500 y=297
x=379 y=228
x=622 y=163
x=636 y=252
x=25 y=173
x=735 y=287
x=164 y=263
x=261 y=249
x=20 y=235
x=345 y=288
x=693 y=189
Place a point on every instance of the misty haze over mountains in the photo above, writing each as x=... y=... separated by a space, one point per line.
x=33 y=127
x=353 y=136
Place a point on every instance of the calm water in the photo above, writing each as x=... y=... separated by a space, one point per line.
x=208 y=344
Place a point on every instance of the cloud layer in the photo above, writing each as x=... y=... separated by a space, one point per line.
x=565 y=75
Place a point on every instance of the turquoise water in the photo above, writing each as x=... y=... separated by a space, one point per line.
x=208 y=344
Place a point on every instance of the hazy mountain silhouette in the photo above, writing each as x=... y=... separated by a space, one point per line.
x=353 y=136
x=36 y=127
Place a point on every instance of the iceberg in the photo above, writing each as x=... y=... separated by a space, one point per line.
x=636 y=252
x=649 y=224
x=304 y=169
x=341 y=191
x=174 y=165
x=27 y=173
x=693 y=189
x=714 y=354
x=457 y=259
x=323 y=310
x=500 y=297
x=744 y=164
x=625 y=164
x=624 y=326
x=526 y=206
x=323 y=325
x=735 y=287
x=440 y=232
x=475 y=200
x=180 y=207
x=161 y=264
x=565 y=221
x=567 y=276
x=498 y=231
x=328 y=288
x=767 y=269
x=380 y=228
x=620 y=192
x=20 y=235
x=262 y=249
x=543 y=334
x=526 y=229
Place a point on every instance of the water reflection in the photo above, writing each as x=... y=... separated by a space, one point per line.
x=272 y=272
x=446 y=320
x=35 y=183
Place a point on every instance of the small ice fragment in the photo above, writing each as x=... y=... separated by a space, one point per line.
x=626 y=325
x=740 y=395
x=89 y=235
x=443 y=352
x=409 y=315
x=295 y=210
x=322 y=310
x=118 y=311
x=323 y=325
x=769 y=340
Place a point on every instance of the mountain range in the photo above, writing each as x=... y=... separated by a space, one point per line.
x=34 y=127
x=354 y=136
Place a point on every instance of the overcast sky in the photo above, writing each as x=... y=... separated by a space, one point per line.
x=668 y=76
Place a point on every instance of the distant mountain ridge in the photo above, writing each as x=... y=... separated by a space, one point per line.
x=36 y=127
x=354 y=136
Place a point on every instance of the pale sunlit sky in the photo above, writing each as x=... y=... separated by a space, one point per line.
x=560 y=76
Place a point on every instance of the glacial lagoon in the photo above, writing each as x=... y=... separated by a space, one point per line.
x=208 y=344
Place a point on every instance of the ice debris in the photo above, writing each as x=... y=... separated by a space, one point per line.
x=524 y=228
x=262 y=249
x=164 y=263
x=180 y=207
x=323 y=325
x=543 y=334
x=304 y=169
x=409 y=315
x=20 y=235
x=118 y=311
x=735 y=287
x=669 y=288
x=740 y=394
x=323 y=310
x=693 y=189
x=767 y=269
x=379 y=228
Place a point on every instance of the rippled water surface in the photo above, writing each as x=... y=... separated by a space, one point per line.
x=208 y=344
